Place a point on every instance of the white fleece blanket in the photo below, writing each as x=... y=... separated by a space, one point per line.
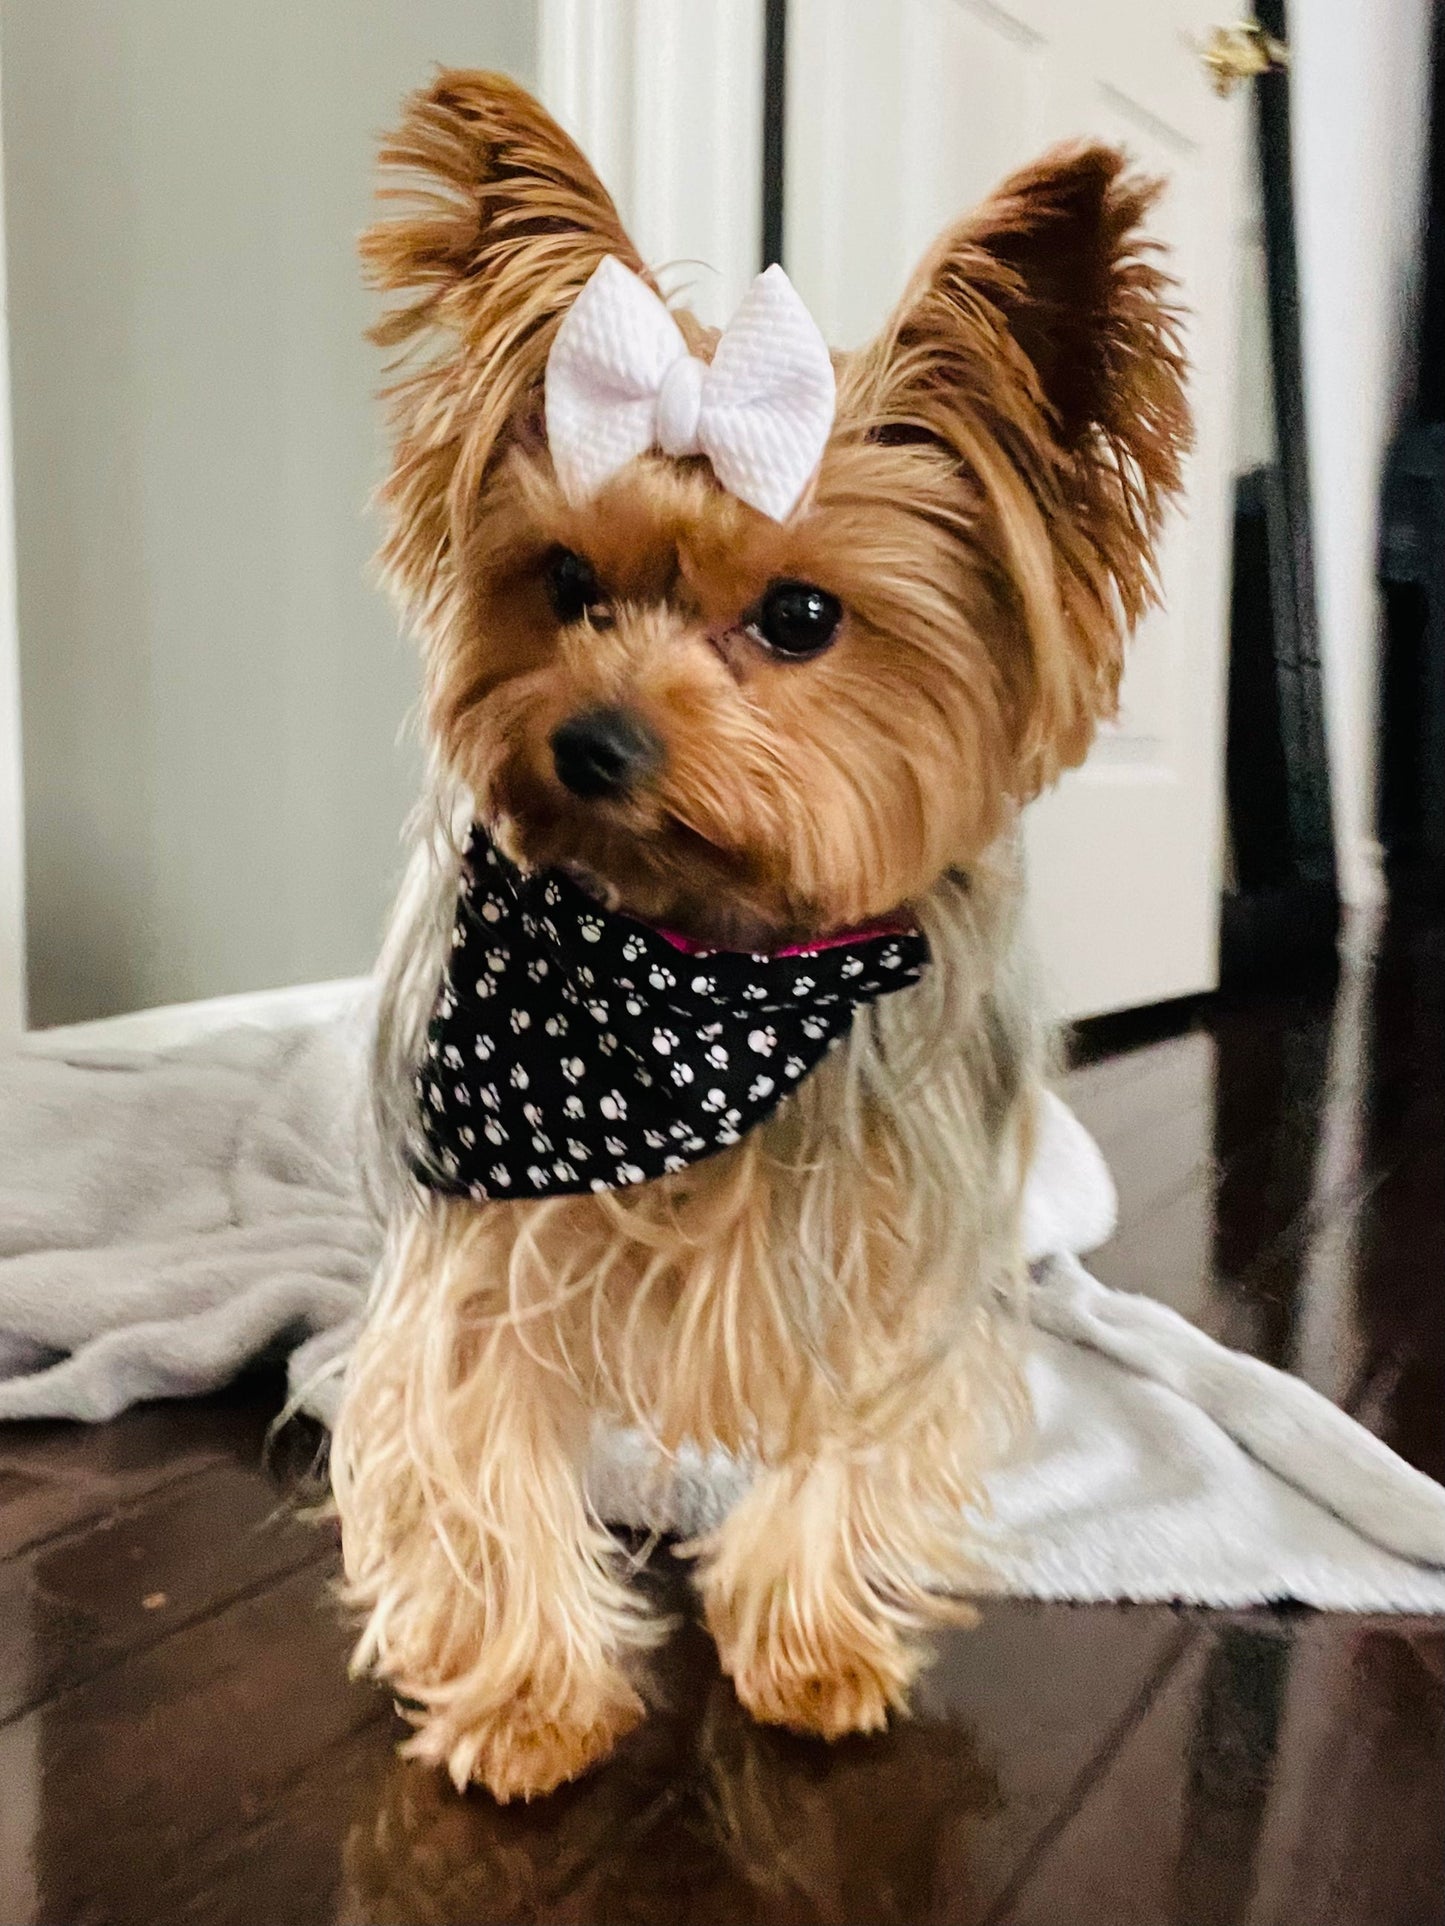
x=166 y=1218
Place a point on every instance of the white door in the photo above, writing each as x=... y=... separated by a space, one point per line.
x=901 y=115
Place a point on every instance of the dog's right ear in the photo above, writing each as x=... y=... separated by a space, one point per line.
x=503 y=223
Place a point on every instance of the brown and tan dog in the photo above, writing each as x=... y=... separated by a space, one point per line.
x=830 y=1296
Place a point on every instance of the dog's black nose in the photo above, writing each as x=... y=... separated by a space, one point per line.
x=605 y=752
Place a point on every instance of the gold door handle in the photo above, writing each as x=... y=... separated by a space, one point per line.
x=1242 y=52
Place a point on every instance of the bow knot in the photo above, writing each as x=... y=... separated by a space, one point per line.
x=679 y=407
x=620 y=380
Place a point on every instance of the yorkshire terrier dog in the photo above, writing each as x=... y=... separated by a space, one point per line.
x=707 y=1057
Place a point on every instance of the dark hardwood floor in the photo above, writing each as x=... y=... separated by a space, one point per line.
x=179 y=1742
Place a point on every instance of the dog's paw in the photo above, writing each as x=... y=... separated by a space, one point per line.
x=855 y=1698
x=826 y=1693
x=519 y=1753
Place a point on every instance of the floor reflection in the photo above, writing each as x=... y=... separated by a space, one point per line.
x=702 y=1816
x=1281 y=1166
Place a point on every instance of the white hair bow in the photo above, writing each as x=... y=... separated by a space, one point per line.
x=620 y=381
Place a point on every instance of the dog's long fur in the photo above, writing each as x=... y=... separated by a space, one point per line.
x=832 y=1295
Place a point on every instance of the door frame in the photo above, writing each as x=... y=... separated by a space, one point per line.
x=641 y=85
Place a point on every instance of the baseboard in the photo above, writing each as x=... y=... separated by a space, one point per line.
x=174 y=1024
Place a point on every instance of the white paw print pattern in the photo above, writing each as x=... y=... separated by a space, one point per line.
x=535 y=949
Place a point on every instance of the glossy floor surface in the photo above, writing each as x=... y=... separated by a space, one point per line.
x=178 y=1741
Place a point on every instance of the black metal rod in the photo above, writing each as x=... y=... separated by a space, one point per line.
x=1296 y=635
x=775 y=115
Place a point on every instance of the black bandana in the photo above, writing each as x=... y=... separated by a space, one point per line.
x=575 y=1049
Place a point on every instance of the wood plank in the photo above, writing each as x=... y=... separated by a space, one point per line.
x=1292 y=1773
x=142 y=1766
x=74 y=1607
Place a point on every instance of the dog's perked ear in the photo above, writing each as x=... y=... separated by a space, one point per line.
x=501 y=223
x=1039 y=346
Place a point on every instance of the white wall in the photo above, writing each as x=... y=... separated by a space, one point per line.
x=211 y=688
x=12 y=829
x=1359 y=91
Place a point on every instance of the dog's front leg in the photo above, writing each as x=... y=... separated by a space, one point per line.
x=817 y=1585
x=493 y=1597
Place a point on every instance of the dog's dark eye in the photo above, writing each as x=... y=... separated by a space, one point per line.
x=572 y=585
x=795 y=619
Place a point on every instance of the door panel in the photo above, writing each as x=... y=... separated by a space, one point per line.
x=913 y=111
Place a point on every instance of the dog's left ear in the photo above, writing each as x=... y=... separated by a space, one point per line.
x=1037 y=344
